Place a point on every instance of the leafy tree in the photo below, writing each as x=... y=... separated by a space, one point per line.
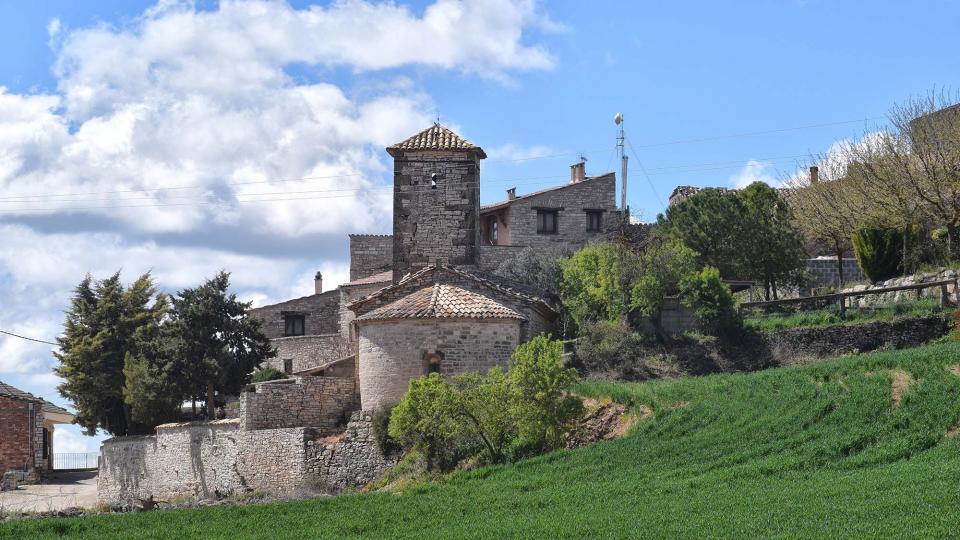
x=595 y=282
x=543 y=404
x=710 y=298
x=772 y=244
x=105 y=324
x=423 y=420
x=663 y=264
x=214 y=344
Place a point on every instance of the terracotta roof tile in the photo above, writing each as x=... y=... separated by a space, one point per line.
x=442 y=301
x=382 y=277
x=436 y=137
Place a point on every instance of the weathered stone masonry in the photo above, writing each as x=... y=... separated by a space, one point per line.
x=319 y=402
x=370 y=254
x=319 y=312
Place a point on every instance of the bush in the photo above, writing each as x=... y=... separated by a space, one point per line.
x=879 y=252
x=381 y=431
x=711 y=299
x=594 y=283
x=497 y=416
x=267 y=374
x=607 y=346
x=535 y=267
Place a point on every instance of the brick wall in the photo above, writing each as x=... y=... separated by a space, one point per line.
x=319 y=310
x=435 y=225
x=392 y=352
x=370 y=254
x=308 y=352
x=319 y=402
x=16 y=450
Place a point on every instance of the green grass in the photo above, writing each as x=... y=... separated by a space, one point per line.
x=831 y=316
x=814 y=451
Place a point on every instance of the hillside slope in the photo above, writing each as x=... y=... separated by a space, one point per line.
x=858 y=446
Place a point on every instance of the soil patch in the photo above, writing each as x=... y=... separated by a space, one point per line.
x=601 y=422
x=954 y=369
x=900 y=382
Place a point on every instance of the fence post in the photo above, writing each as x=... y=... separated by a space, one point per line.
x=843 y=306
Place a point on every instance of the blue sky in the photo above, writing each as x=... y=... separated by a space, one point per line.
x=712 y=92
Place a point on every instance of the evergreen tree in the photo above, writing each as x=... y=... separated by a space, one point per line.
x=771 y=240
x=711 y=223
x=214 y=345
x=99 y=331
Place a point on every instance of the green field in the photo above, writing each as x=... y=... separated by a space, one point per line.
x=831 y=316
x=814 y=451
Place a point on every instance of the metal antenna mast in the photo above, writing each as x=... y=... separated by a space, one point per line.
x=618 y=120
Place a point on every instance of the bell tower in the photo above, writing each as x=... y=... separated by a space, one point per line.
x=436 y=201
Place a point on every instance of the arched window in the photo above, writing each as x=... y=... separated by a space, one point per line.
x=432 y=361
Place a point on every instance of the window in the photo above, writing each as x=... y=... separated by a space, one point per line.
x=293 y=325
x=288 y=365
x=594 y=220
x=493 y=231
x=432 y=362
x=547 y=221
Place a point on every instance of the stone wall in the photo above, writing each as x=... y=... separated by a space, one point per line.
x=319 y=311
x=370 y=254
x=676 y=318
x=18 y=421
x=319 y=402
x=306 y=352
x=571 y=203
x=491 y=257
x=392 y=352
x=435 y=225
x=902 y=296
x=824 y=272
x=203 y=460
x=351 y=461
x=348 y=295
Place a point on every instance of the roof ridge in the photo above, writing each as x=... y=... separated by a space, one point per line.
x=433 y=298
x=436 y=137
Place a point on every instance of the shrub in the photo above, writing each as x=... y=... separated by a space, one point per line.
x=710 y=298
x=496 y=416
x=663 y=264
x=381 y=431
x=267 y=374
x=607 y=346
x=536 y=267
x=879 y=252
x=594 y=282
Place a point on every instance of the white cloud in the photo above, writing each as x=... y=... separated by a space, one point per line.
x=515 y=152
x=754 y=171
x=68 y=439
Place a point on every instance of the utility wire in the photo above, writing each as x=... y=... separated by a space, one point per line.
x=644 y=171
x=28 y=338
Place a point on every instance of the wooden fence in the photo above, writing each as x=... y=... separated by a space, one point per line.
x=841 y=298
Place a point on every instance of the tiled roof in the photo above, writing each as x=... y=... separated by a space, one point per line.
x=508 y=202
x=436 y=137
x=382 y=277
x=442 y=301
x=16 y=393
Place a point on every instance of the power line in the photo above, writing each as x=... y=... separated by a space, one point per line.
x=644 y=171
x=28 y=338
x=753 y=133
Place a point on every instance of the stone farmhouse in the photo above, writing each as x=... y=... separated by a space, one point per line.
x=421 y=300
x=26 y=439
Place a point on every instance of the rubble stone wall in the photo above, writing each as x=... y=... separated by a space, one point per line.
x=323 y=403
x=351 y=461
x=306 y=352
x=370 y=254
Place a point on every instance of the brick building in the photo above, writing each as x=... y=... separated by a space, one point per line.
x=26 y=431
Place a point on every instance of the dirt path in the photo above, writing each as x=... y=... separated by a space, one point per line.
x=61 y=490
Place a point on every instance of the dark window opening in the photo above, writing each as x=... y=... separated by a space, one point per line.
x=432 y=361
x=493 y=231
x=594 y=220
x=46 y=443
x=293 y=325
x=547 y=221
x=288 y=365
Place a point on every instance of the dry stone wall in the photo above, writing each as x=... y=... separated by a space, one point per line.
x=319 y=402
x=350 y=462
x=902 y=296
x=306 y=352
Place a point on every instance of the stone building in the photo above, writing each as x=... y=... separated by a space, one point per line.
x=26 y=431
x=569 y=216
x=418 y=301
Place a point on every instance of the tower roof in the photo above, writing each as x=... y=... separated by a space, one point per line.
x=442 y=301
x=436 y=137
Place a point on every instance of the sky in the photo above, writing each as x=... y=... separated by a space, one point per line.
x=182 y=138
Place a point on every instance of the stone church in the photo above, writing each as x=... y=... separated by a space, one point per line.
x=422 y=300
x=425 y=298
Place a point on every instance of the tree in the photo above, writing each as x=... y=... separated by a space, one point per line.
x=214 y=344
x=710 y=298
x=595 y=282
x=712 y=223
x=663 y=264
x=772 y=245
x=103 y=326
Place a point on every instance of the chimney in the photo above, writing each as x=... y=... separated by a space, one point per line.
x=577 y=172
x=814 y=175
x=511 y=194
x=318 y=283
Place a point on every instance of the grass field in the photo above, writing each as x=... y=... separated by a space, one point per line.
x=831 y=316
x=860 y=446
